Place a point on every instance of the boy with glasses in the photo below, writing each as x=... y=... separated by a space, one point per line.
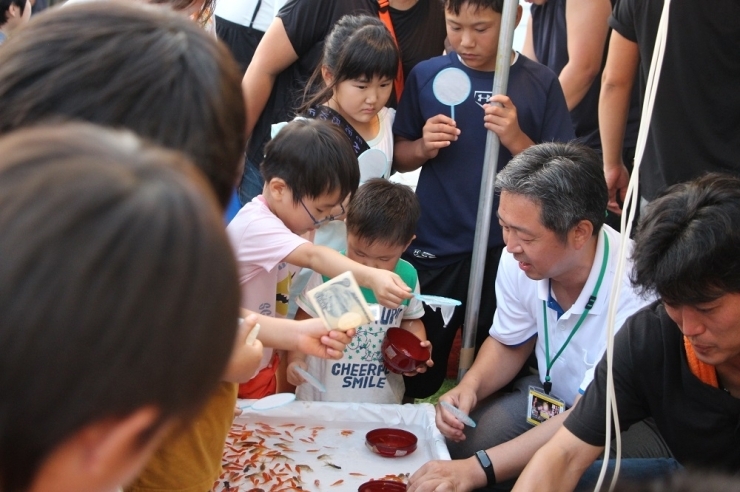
x=309 y=170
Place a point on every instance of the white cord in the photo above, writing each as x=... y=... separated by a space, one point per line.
x=631 y=203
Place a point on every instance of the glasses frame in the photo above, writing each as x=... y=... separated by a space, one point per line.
x=319 y=223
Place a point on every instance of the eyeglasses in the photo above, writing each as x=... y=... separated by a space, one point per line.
x=319 y=223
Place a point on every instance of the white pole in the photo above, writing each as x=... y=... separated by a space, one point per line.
x=485 y=202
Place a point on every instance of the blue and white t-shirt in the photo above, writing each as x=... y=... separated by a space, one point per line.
x=360 y=375
x=449 y=185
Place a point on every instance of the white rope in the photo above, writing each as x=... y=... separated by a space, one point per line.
x=631 y=203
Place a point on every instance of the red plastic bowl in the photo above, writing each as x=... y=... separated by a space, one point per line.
x=391 y=443
x=382 y=486
x=402 y=351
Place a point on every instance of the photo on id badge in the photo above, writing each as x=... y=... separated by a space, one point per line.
x=542 y=406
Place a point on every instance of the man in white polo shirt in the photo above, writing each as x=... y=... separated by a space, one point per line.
x=552 y=291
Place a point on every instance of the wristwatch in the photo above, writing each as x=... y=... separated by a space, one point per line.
x=485 y=463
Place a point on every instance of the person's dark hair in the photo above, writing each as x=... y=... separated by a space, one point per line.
x=202 y=16
x=5 y=6
x=139 y=67
x=383 y=212
x=455 y=6
x=565 y=179
x=117 y=279
x=687 y=246
x=314 y=158
x=357 y=47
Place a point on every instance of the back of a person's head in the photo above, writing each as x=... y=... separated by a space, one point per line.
x=314 y=158
x=383 y=212
x=200 y=10
x=134 y=66
x=565 y=179
x=455 y=6
x=117 y=280
x=687 y=246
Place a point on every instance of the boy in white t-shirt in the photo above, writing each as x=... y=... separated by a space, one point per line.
x=380 y=225
x=309 y=170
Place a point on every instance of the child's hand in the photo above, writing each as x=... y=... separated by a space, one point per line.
x=245 y=358
x=438 y=132
x=314 y=339
x=293 y=377
x=388 y=288
x=430 y=362
x=502 y=120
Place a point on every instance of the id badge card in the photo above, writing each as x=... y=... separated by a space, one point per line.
x=542 y=406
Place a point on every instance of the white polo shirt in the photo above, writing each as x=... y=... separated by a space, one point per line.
x=519 y=317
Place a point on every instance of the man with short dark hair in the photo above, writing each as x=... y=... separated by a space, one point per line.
x=677 y=360
x=13 y=14
x=552 y=294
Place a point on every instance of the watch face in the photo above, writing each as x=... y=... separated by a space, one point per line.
x=485 y=463
x=483 y=458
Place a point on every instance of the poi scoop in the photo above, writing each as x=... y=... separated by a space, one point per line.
x=373 y=164
x=445 y=305
x=458 y=414
x=311 y=380
x=451 y=87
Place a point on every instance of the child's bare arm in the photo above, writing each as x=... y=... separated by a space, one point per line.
x=309 y=336
x=416 y=327
x=388 y=287
x=245 y=357
x=501 y=118
x=438 y=132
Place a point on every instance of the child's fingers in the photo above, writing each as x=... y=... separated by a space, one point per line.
x=333 y=348
x=503 y=100
x=334 y=354
x=441 y=119
x=342 y=337
x=294 y=377
x=336 y=340
x=440 y=133
x=391 y=299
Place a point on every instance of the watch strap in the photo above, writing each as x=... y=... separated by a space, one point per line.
x=485 y=463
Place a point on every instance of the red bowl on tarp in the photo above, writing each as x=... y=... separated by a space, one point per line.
x=402 y=351
x=391 y=443
x=382 y=486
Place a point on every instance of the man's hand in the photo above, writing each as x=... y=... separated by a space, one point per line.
x=501 y=118
x=617 y=180
x=448 y=476
x=314 y=339
x=438 y=132
x=462 y=398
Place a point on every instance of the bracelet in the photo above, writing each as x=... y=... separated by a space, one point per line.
x=485 y=463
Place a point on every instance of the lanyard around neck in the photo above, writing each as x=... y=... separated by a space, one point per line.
x=589 y=305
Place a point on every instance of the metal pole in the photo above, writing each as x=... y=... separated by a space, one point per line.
x=485 y=202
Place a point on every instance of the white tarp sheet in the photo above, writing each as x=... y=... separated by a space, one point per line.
x=317 y=435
